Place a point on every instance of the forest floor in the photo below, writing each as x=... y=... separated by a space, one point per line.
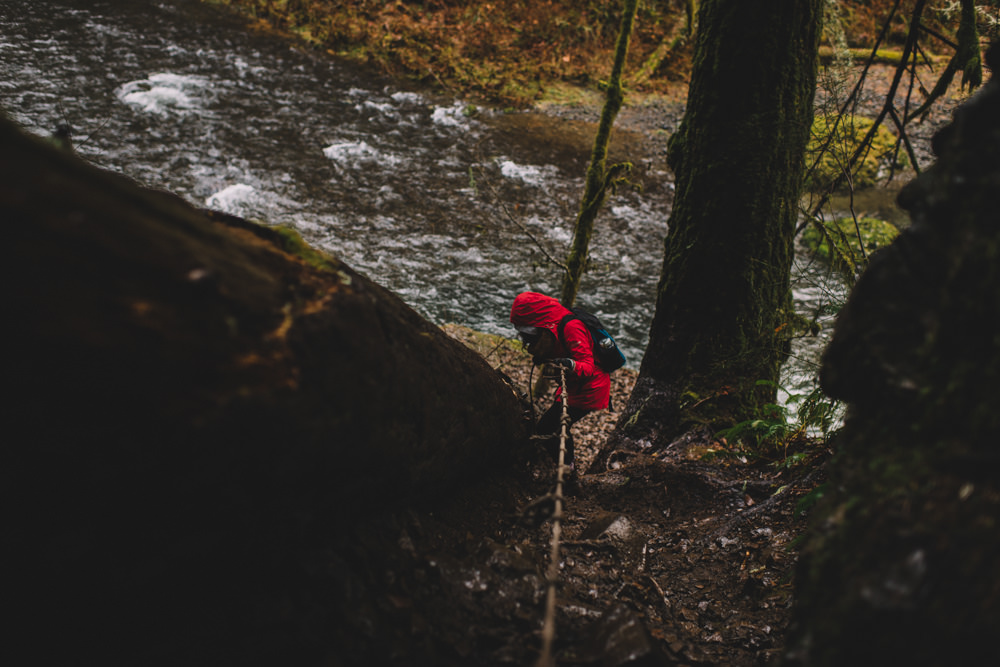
x=680 y=556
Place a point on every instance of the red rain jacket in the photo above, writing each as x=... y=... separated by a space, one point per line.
x=587 y=385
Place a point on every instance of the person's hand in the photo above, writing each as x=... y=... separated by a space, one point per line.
x=553 y=367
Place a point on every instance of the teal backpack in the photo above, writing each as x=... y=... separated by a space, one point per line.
x=606 y=352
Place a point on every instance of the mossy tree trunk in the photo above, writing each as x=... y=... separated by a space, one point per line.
x=691 y=13
x=723 y=296
x=599 y=179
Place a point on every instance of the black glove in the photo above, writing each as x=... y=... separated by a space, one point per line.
x=553 y=366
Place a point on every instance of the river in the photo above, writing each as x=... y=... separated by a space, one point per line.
x=429 y=196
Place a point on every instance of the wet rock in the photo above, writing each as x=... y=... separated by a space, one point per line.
x=206 y=398
x=507 y=560
x=620 y=638
x=902 y=558
x=610 y=524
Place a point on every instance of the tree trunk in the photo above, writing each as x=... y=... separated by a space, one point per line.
x=901 y=562
x=724 y=293
x=598 y=179
x=198 y=399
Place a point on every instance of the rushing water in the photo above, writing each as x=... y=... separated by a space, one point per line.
x=437 y=201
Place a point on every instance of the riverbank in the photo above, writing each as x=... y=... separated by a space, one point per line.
x=509 y=53
x=521 y=52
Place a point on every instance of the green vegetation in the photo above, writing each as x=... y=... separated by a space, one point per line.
x=772 y=427
x=847 y=243
x=289 y=240
x=828 y=55
x=834 y=140
x=507 y=52
x=513 y=52
x=775 y=433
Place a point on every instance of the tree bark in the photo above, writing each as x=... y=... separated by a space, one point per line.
x=200 y=399
x=723 y=297
x=599 y=180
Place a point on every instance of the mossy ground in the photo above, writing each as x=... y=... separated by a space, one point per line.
x=506 y=52
x=515 y=52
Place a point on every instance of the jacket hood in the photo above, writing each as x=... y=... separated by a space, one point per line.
x=537 y=310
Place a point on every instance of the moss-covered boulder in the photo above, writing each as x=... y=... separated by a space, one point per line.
x=833 y=141
x=202 y=405
x=901 y=566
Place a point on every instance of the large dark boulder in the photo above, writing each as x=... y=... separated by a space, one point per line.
x=195 y=404
x=903 y=564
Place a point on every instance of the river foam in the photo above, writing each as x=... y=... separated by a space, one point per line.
x=166 y=93
x=360 y=153
x=236 y=199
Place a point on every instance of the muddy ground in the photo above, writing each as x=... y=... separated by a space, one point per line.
x=681 y=556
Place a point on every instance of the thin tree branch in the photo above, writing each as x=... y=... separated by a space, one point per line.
x=934 y=33
x=527 y=232
x=904 y=137
x=852 y=98
x=865 y=144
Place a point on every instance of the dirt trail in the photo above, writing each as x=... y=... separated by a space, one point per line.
x=667 y=555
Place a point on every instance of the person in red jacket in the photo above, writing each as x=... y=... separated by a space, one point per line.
x=536 y=318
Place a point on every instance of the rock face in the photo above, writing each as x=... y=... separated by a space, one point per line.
x=199 y=401
x=901 y=567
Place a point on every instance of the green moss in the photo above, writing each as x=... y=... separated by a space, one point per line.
x=491 y=347
x=833 y=142
x=859 y=56
x=837 y=241
x=289 y=240
x=504 y=52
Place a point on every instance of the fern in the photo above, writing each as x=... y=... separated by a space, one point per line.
x=773 y=432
